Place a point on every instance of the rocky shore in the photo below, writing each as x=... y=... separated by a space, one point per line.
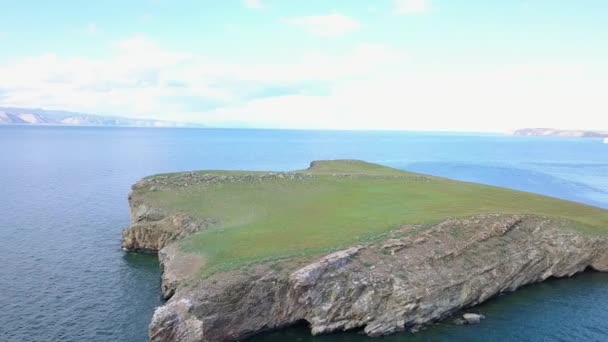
x=382 y=288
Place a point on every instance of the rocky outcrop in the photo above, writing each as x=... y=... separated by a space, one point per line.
x=472 y=318
x=394 y=285
x=309 y=275
x=152 y=228
x=176 y=268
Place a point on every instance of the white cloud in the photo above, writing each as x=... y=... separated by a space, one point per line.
x=330 y=25
x=500 y=100
x=412 y=6
x=368 y=86
x=253 y=4
x=139 y=78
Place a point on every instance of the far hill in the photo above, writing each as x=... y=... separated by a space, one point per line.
x=36 y=116
x=560 y=133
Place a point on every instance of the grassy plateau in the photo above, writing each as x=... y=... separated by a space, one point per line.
x=334 y=204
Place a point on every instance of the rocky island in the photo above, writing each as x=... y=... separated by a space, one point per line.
x=345 y=245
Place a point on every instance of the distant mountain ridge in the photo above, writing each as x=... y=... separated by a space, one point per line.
x=36 y=116
x=560 y=133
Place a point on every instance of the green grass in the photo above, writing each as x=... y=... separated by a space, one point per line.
x=279 y=218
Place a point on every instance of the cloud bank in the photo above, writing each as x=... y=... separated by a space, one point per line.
x=368 y=86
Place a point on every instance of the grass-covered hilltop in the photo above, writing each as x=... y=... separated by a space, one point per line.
x=267 y=215
x=379 y=243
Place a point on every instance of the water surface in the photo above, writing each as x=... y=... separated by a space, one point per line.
x=63 y=202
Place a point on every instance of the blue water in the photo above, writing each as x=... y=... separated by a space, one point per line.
x=63 y=204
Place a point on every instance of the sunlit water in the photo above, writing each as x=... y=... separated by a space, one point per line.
x=63 y=204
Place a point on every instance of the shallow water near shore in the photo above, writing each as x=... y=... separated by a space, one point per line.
x=63 y=200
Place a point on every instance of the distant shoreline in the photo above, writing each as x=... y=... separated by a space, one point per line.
x=550 y=132
x=43 y=117
x=96 y=126
x=290 y=129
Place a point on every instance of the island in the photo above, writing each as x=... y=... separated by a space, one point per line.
x=560 y=133
x=346 y=245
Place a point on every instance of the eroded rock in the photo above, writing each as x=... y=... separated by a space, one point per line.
x=472 y=318
x=455 y=265
x=152 y=229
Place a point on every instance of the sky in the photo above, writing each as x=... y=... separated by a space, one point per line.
x=442 y=65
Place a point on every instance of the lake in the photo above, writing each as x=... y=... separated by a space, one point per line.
x=63 y=202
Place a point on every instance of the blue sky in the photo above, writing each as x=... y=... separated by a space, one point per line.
x=375 y=64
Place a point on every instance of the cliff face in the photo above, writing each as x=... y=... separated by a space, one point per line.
x=153 y=228
x=401 y=283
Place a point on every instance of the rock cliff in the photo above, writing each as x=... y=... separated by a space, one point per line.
x=152 y=228
x=408 y=280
